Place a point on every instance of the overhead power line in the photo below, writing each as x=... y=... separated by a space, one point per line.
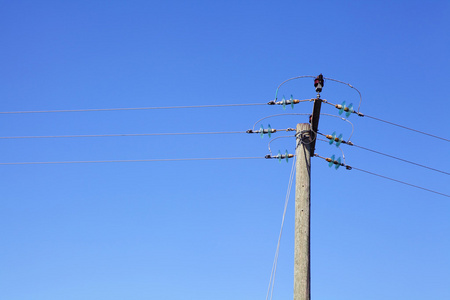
x=118 y=135
x=347 y=109
x=133 y=134
x=348 y=167
x=408 y=128
x=404 y=160
x=384 y=154
x=127 y=108
x=127 y=160
x=413 y=185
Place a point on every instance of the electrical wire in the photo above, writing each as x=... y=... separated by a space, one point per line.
x=127 y=160
x=408 y=128
x=277 y=115
x=404 y=160
x=280 y=137
x=343 y=119
x=326 y=78
x=275 y=260
x=416 y=186
x=298 y=77
x=385 y=177
x=360 y=96
x=119 y=135
x=395 y=124
x=391 y=156
x=305 y=114
x=128 y=134
x=127 y=108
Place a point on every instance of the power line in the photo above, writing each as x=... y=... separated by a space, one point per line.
x=331 y=161
x=391 y=123
x=127 y=160
x=416 y=186
x=119 y=135
x=404 y=160
x=388 y=155
x=132 y=134
x=127 y=108
x=408 y=128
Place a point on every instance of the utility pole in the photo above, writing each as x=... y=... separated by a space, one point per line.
x=302 y=267
x=306 y=138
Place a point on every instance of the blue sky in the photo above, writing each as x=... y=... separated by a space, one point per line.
x=208 y=229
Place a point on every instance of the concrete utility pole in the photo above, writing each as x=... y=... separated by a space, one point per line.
x=302 y=268
x=306 y=141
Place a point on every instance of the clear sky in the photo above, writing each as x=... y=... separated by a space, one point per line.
x=208 y=229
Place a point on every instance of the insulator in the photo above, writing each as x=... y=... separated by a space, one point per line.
x=319 y=83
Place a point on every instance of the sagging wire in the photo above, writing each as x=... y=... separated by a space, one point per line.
x=348 y=110
x=126 y=160
x=304 y=114
x=119 y=135
x=342 y=151
x=298 y=77
x=408 y=128
x=332 y=161
x=128 y=108
x=384 y=154
x=348 y=84
x=275 y=260
x=343 y=119
x=277 y=115
x=280 y=137
x=327 y=78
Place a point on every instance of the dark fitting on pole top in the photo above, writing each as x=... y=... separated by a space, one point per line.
x=318 y=83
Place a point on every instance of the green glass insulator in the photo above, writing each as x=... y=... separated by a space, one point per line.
x=338 y=164
x=350 y=110
x=340 y=140
x=332 y=161
x=341 y=110
x=332 y=138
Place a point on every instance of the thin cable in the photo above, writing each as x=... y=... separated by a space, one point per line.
x=343 y=119
x=408 y=128
x=277 y=115
x=416 y=186
x=275 y=260
x=395 y=124
x=401 y=159
x=391 y=156
x=127 y=108
x=119 y=134
x=280 y=137
x=327 y=78
x=126 y=160
x=298 y=77
x=382 y=176
x=360 y=96
x=304 y=114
